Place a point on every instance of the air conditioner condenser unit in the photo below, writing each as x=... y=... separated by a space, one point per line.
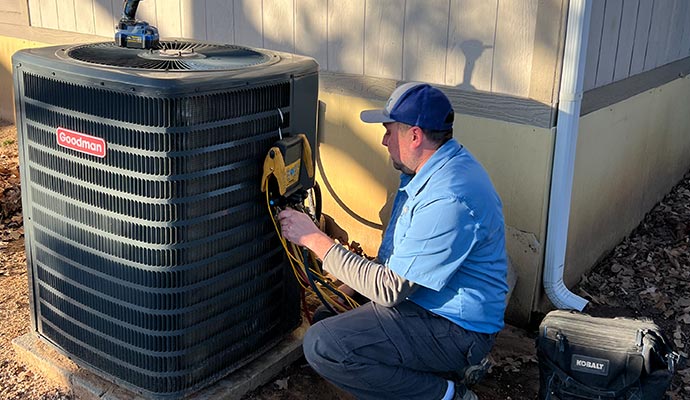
x=152 y=258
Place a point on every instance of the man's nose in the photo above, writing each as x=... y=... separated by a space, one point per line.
x=384 y=141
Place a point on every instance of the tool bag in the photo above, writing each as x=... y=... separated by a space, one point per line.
x=585 y=357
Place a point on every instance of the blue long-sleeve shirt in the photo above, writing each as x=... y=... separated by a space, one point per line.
x=447 y=235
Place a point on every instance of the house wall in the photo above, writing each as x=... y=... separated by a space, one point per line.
x=7 y=47
x=14 y=12
x=358 y=182
x=16 y=37
x=629 y=155
x=489 y=45
x=633 y=36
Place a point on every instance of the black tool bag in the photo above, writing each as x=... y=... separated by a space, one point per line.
x=585 y=357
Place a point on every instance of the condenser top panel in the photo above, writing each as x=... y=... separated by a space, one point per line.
x=177 y=67
x=171 y=56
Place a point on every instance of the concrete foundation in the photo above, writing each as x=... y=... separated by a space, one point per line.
x=85 y=385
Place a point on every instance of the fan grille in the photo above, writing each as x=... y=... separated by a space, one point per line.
x=170 y=56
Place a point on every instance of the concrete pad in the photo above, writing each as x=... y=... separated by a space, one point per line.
x=45 y=359
x=86 y=385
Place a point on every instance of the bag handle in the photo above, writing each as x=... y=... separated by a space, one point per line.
x=669 y=356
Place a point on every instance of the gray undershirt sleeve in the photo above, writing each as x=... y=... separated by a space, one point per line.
x=375 y=281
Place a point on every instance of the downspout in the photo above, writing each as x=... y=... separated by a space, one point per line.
x=567 y=125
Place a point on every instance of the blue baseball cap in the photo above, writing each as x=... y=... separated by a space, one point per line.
x=416 y=104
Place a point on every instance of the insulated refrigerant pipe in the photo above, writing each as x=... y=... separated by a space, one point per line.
x=569 y=103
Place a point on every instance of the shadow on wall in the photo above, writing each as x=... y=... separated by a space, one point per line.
x=426 y=45
x=310 y=28
x=472 y=49
x=106 y=15
x=360 y=153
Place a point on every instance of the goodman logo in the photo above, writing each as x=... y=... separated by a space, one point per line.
x=81 y=142
x=590 y=365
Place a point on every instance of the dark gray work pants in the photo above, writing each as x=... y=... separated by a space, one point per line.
x=377 y=352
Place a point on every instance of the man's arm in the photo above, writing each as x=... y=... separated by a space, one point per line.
x=375 y=281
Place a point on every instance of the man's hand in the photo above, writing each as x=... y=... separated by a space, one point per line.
x=298 y=228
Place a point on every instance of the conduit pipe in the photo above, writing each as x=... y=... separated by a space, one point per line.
x=567 y=125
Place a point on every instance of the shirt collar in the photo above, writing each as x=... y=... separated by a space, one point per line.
x=412 y=184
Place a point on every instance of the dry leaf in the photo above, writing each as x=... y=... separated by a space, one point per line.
x=677 y=334
x=282 y=384
x=650 y=290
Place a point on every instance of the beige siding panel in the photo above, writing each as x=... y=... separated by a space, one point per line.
x=193 y=19
x=11 y=6
x=658 y=34
x=549 y=44
x=248 y=23
x=676 y=33
x=626 y=37
x=644 y=19
x=83 y=14
x=147 y=11
x=13 y=12
x=117 y=9
x=220 y=25
x=168 y=16
x=515 y=42
x=66 y=15
x=103 y=17
x=49 y=15
x=35 y=13
x=346 y=36
x=596 y=26
x=609 y=42
x=684 y=49
x=279 y=25
x=383 y=38
x=426 y=40
x=651 y=129
x=311 y=28
x=471 y=44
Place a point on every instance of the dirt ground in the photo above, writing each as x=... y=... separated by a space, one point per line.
x=647 y=274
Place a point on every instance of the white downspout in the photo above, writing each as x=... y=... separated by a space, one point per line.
x=567 y=125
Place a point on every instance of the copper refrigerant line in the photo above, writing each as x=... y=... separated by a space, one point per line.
x=308 y=270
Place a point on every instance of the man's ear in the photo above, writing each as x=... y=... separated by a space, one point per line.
x=417 y=137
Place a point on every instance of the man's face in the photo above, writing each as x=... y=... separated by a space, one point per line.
x=396 y=139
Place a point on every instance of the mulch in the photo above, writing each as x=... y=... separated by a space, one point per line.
x=648 y=275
